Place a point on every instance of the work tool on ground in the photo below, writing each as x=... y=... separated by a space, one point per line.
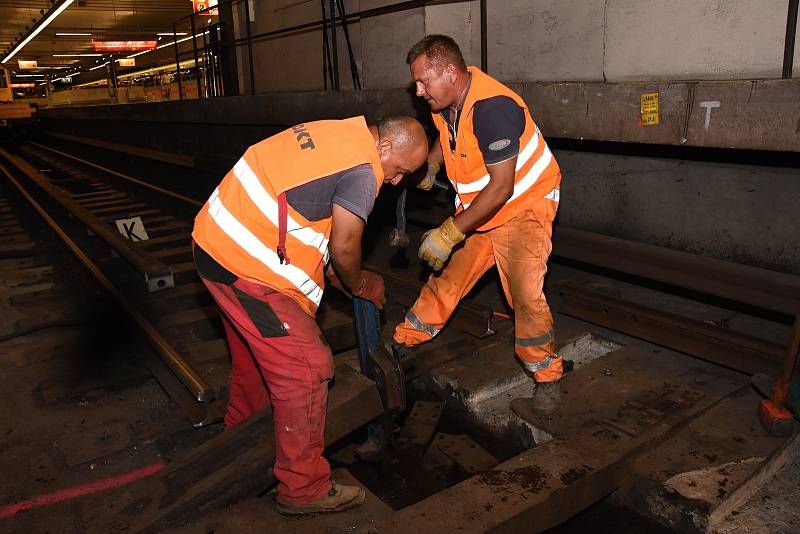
x=376 y=362
x=772 y=413
x=380 y=365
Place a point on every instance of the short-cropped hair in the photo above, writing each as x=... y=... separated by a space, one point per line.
x=441 y=50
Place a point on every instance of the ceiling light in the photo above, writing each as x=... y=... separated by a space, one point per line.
x=77 y=55
x=74 y=34
x=28 y=75
x=56 y=12
x=167 y=44
x=99 y=66
x=170 y=34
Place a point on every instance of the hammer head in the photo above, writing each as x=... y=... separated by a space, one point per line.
x=398 y=239
x=776 y=421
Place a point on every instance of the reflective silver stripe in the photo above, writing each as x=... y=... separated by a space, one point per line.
x=538 y=366
x=412 y=318
x=253 y=246
x=533 y=174
x=533 y=341
x=522 y=159
x=554 y=195
x=269 y=207
x=525 y=183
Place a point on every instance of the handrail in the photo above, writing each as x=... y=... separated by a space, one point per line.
x=342 y=19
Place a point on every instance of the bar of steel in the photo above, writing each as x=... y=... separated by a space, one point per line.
x=157 y=275
x=201 y=391
x=709 y=342
x=769 y=290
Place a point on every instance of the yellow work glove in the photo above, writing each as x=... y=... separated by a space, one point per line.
x=437 y=244
x=427 y=182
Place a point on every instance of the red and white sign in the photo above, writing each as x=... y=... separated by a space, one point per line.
x=199 y=5
x=22 y=85
x=123 y=46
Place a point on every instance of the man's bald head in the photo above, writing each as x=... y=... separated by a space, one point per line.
x=403 y=145
x=405 y=134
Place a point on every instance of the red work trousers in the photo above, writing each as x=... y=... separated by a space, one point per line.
x=279 y=357
x=519 y=248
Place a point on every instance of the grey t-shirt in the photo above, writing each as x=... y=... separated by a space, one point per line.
x=353 y=189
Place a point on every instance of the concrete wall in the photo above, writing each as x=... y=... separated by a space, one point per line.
x=694 y=39
x=741 y=213
x=548 y=40
x=536 y=40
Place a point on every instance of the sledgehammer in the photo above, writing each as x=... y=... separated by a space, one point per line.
x=398 y=236
x=772 y=413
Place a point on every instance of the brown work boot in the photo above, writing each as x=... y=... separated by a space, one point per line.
x=338 y=499
x=547 y=397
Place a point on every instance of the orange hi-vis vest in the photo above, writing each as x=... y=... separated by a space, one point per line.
x=537 y=173
x=240 y=225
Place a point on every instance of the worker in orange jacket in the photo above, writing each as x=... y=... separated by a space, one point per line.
x=507 y=191
x=262 y=242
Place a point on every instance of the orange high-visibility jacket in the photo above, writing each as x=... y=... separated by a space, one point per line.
x=537 y=173
x=240 y=224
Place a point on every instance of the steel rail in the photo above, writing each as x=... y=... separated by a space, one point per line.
x=157 y=275
x=729 y=348
x=763 y=288
x=201 y=391
x=121 y=175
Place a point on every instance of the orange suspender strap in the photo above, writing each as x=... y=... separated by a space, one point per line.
x=283 y=215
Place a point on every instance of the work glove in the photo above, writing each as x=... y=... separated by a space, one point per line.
x=430 y=177
x=437 y=244
x=371 y=288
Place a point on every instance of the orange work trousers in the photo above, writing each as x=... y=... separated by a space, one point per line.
x=519 y=248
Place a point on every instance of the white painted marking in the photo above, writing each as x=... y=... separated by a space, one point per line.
x=708 y=104
x=132 y=228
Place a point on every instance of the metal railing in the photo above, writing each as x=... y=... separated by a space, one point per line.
x=332 y=16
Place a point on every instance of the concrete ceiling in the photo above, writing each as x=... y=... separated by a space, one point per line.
x=103 y=19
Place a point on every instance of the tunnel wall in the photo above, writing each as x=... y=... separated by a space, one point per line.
x=730 y=211
x=531 y=40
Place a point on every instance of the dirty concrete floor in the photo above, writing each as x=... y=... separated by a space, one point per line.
x=75 y=412
x=774 y=508
x=78 y=406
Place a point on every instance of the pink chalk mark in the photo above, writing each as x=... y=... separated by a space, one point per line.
x=96 y=486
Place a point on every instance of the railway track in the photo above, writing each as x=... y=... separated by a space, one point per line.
x=134 y=238
x=94 y=211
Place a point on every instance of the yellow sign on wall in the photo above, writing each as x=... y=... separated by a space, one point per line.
x=650 y=115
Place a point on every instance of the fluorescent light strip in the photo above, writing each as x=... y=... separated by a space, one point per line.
x=36 y=32
x=99 y=66
x=74 y=34
x=28 y=75
x=170 y=34
x=168 y=44
x=77 y=55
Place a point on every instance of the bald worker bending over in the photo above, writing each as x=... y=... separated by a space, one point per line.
x=262 y=241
